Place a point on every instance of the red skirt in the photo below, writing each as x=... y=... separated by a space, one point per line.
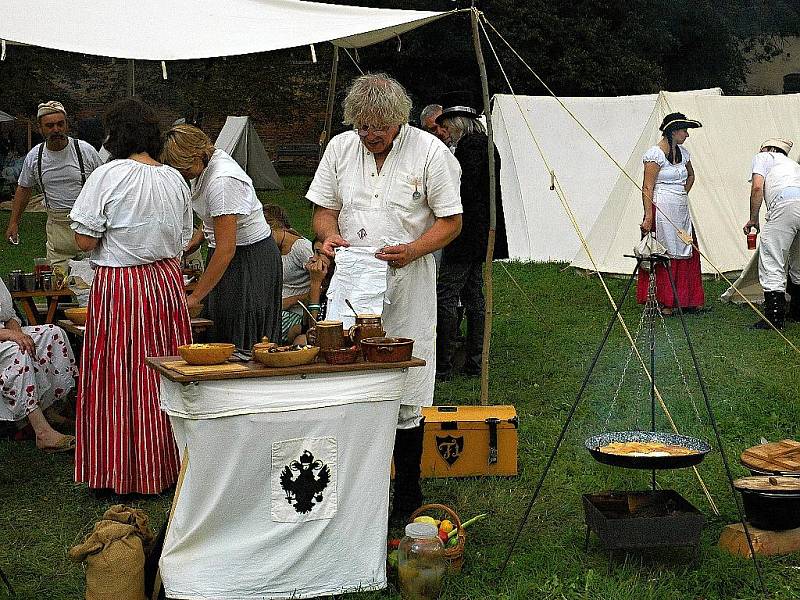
x=686 y=275
x=124 y=440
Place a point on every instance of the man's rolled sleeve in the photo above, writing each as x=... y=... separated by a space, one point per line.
x=444 y=184
x=324 y=189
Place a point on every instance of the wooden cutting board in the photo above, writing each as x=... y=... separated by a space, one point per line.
x=184 y=368
x=775 y=457
x=768 y=483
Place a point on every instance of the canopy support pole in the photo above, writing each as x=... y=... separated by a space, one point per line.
x=487 y=270
x=131 y=79
x=326 y=133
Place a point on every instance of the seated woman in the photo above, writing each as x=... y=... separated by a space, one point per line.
x=37 y=368
x=303 y=273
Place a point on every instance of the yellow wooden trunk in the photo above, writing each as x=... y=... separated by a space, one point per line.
x=464 y=441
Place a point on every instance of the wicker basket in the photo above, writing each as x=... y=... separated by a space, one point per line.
x=454 y=555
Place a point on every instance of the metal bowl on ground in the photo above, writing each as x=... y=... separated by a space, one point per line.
x=206 y=354
x=289 y=357
x=771 y=503
x=630 y=461
x=76 y=315
x=387 y=349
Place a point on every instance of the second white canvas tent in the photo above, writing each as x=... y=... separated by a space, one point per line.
x=240 y=139
x=537 y=225
x=722 y=152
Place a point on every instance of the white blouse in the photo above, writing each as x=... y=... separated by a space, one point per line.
x=670 y=177
x=223 y=188
x=141 y=213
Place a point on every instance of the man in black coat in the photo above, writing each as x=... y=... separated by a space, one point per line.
x=461 y=270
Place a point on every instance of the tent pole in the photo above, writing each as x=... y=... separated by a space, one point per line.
x=487 y=270
x=326 y=133
x=131 y=79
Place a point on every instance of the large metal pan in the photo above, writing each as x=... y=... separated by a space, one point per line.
x=594 y=443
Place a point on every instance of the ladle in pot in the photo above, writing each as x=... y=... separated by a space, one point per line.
x=308 y=312
x=355 y=312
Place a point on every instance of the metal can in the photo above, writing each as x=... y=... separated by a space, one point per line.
x=15 y=280
x=46 y=282
x=751 y=240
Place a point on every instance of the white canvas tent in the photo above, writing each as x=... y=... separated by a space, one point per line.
x=722 y=151
x=174 y=30
x=537 y=225
x=5 y=117
x=239 y=139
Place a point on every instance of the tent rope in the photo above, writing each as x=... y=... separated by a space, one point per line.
x=350 y=56
x=571 y=215
x=681 y=233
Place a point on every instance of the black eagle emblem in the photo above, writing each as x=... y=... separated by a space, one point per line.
x=305 y=489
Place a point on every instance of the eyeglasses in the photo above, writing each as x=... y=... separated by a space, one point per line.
x=364 y=130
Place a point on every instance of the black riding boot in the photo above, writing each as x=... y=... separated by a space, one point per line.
x=446 y=332
x=774 y=310
x=793 y=314
x=407 y=491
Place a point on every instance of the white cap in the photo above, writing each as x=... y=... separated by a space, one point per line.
x=421 y=530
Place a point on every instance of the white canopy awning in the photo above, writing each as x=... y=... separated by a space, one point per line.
x=5 y=117
x=186 y=29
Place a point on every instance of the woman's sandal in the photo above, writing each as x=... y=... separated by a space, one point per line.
x=67 y=444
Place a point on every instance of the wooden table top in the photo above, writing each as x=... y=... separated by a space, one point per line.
x=42 y=293
x=80 y=330
x=255 y=369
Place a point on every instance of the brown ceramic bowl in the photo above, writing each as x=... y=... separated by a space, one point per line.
x=286 y=358
x=341 y=356
x=206 y=354
x=387 y=349
x=76 y=315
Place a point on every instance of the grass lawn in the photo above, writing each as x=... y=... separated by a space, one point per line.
x=547 y=326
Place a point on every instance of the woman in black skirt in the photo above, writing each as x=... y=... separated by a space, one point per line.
x=241 y=286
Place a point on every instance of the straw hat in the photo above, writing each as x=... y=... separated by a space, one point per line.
x=780 y=143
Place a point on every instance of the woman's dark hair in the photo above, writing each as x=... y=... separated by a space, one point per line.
x=776 y=149
x=673 y=157
x=132 y=126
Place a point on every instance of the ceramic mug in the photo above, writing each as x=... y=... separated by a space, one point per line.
x=367 y=325
x=328 y=335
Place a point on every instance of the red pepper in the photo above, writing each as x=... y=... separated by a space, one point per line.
x=393 y=544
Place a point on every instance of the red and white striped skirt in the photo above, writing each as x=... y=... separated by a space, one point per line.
x=124 y=440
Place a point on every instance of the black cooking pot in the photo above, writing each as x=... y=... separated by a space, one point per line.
x=771 y=511
x=771 y=503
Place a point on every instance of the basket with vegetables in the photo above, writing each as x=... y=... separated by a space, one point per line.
x=451 y=531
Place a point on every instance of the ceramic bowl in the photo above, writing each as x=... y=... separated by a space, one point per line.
x=206 y=354
x=76 y=315
x=342 y=356
x=286 y=358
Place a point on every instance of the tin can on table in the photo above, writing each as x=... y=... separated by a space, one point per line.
x=15 y=280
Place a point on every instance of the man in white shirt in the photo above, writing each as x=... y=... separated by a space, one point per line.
x=394 y=189
x=60 y=166
x=775 y=181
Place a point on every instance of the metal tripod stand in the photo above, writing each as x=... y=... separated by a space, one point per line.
x=653 y=261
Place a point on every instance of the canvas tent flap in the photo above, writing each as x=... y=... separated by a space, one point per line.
x=176 y=30
x=722 y=152
x=538 y=227
x=5 y=117
x=240 y=140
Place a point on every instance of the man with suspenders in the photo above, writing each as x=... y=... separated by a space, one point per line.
x=60 y=166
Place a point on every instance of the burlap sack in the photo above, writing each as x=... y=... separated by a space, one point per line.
x=136 y=517
x=114 y=559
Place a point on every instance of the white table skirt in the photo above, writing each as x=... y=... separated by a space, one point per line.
x=287 y=490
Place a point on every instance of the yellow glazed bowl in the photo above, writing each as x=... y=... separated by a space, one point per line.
x=287 y=358
x=206 y=354
x=76 y=315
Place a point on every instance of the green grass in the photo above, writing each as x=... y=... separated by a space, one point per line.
x=541 y=349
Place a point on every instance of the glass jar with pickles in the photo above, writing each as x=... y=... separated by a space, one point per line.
x=421 y=563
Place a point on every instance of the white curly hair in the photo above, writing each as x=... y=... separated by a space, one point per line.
x=378 y=100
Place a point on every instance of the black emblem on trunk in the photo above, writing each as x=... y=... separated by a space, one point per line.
x=362 y=233
x=304 y=490
x=450 y=448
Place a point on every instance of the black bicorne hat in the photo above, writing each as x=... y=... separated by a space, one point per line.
x=677 y=121
x=458 y=104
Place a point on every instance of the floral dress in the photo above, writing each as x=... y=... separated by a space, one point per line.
x=30 y=382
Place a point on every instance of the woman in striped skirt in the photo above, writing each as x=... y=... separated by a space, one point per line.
x=134 y=216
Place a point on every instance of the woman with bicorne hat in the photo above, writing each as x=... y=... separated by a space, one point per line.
x=668 y=177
